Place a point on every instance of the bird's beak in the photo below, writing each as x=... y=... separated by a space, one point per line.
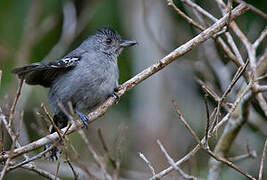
x=127 y=43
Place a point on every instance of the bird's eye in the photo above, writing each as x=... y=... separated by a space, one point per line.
x=108 y=41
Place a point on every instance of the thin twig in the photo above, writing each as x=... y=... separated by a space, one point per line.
x=58 y=165
x=185 y=123
x=208 y=90
x=225 y=161
x=262 y=77
x=208 y=120
x=260 y=38
x=251 y=154
x=237 y=76
x=118 y=151
x=39 y=171
x=52 y=121
x=172 y=163
x=13 y=107
x=237 y=59
x=4 y=170
x=96 y=157
x=262 y=160
x=73 y=170
x=253 y=8
x=262 y=88
x=148 y=163
x=230 y=164
x=188 y=19
x=230 y=6
x=38 y=156
x=105 y=147
x=245 y=92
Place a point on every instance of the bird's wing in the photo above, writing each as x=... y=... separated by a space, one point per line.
x=44 y=73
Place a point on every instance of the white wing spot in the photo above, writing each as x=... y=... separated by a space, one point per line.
x=69 y=61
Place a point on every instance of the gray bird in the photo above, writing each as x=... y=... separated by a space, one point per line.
x=85 y=77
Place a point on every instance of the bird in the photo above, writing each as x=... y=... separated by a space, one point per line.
x=86 y=76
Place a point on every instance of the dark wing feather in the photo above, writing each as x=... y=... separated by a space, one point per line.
x=44 y=73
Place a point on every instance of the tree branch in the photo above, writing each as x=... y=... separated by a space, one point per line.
x=180 y=51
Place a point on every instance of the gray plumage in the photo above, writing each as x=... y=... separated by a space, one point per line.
x=85 y=77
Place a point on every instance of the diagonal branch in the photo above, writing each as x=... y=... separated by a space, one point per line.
x=180 y=51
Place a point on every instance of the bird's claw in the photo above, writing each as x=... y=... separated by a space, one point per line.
x=116 y=96
x=83 y=117
x=53 y=154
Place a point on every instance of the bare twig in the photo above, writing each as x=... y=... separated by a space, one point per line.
x=246 y=93
x=260 y=38
x=105 y=147
x=185 y=123
x=262 y=77
x=208 y=120
x=39 y=171
x=215 y=156
x=211 y=153
x=13 y=107
x=261 y=100
x=188 y=19
x=251 y=154
x=182 y=160
x=254 y=9
x=58 y=165
x=237 y=59
x=148 y=163
x=38 y=156
x=262 y=88
x=230 y=6
x=208 y=90
x=262 y=161
x=172 y=163
x=4 y=170
x=73 y=170
x=237 y=75
x=230 y=164
x=52 y=121
x=96 y=157
x=198 y=146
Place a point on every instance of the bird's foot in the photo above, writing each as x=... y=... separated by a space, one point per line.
x=116 y=94
x=53 y=154
x=83 y=117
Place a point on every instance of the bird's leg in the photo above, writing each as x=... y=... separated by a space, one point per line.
x=83 y=117
x=116 y=94
x=61 y=121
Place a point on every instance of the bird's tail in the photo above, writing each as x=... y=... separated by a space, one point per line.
x=23 y=71
x=34 y=74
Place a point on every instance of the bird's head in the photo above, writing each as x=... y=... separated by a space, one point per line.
x=110 y=42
